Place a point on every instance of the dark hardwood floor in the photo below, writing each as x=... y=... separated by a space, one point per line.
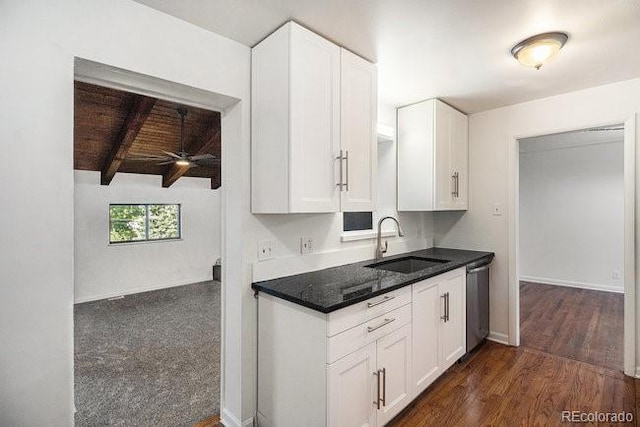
x=508 y=386
x=579 y=324
x=570 y=359
x=209 y=422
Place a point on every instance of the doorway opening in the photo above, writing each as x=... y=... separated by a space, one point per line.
x=571 y=226
x=148 y=239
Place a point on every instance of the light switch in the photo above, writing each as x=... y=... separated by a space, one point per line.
x=306 y=245
x=497 y=209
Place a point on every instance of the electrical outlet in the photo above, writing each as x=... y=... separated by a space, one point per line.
x=266 y=250
x=306 y=245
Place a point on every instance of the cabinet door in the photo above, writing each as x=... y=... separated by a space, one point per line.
x=459 y=158
x=314 y=122
x=415 y=157
x=444 y=181
x=394 y=356
x=453 y=329
x=352 y=389
x=426 y=325
x=359 y=104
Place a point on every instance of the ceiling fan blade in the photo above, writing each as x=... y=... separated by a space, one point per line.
x=174 y=155
x=168 y=162
x=148 y=159
x=210 y=163
x=148 y=155
x=202 y=157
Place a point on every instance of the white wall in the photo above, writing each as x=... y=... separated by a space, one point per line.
x=493 y=159
x=37 y=273
x=572 y=215
x=103 y=270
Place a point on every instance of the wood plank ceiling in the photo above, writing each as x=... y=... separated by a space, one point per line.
x=111 y=127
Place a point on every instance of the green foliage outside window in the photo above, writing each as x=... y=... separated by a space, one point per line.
x=132 y=223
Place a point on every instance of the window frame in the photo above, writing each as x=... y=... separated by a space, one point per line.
x=359 y=230
x=146 y=239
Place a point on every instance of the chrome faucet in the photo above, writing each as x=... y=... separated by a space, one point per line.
x=380 y=250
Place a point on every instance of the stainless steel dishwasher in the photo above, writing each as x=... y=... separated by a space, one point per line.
x=477 y=303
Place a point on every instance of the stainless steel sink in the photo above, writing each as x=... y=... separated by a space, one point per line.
x=406 y=265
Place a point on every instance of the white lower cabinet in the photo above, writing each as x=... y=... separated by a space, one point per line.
x=353 y=388
x=372 y=385
x=361 y=365
x=394 y=373
x=439 y=326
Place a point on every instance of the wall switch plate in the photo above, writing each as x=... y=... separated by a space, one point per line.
x=497 y=209
x=306 y=245
x=266 y=250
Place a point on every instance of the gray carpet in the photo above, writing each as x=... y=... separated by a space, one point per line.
x=150 y=359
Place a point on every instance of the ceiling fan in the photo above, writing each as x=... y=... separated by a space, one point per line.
x=181 y=158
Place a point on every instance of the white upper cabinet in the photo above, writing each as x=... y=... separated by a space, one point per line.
x=432 y=157
x=358 y=135
x=313 y=121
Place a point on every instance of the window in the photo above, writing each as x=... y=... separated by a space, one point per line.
x=356 y=221
x=144 y=222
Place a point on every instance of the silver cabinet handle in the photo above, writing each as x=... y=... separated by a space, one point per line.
x=339 y=159
x=346 y=158
x=382 y=301
x=453 y=185
x=445 y=316
x=456 y=184
x=377 y=401
x=386 y=322
x=447 y=306
x=384 y=386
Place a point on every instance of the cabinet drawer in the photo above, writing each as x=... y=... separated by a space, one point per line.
x=348 y=317
x=366 y=333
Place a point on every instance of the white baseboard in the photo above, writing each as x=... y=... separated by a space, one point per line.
x=498 y=337
x=138 y=290
x=297 y=264
x=571 y=284
x=227 y=419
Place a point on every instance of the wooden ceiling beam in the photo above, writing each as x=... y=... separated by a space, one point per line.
x=173 y=174
x=216 y=180
x=140 y=109
x=210 y=144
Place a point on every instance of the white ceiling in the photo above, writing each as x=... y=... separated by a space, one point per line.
x=456 y=50
x=579 y=138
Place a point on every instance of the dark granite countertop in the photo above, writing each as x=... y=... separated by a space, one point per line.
x=338 y=287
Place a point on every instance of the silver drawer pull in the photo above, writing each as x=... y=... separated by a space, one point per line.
x=382 y=301
x=386 y=322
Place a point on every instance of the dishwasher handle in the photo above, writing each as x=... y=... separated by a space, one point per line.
x=478 y=269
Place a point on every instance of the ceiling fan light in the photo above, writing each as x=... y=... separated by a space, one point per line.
x=183 y=162
x=539 y=49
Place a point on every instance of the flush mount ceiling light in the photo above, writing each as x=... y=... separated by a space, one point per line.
x=539 y=49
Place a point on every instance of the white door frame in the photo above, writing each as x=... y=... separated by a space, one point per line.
x=629 y=234
x=105 y=75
